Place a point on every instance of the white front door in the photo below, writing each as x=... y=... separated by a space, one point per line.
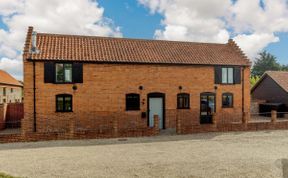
x=156 y=108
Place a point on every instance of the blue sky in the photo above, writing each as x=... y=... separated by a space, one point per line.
x=134 y=20
x=255 y=25
x=137 y=22
x=280 y=49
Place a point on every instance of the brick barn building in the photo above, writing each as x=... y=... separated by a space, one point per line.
x=90 y=79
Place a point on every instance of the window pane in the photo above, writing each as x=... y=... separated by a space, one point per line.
x=211 y=104
x=68 y=72
x=183 y=101
x=180 y=102
x=60 y=105
x=230 y=75
x=132 y=102
x=68 y=103
x=227 y=100
x=59 y=73
x=224 y=75
x=203 y=105
x=186 y=102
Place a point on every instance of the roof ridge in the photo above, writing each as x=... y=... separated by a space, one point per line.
x=277 y=71
x=129 y=39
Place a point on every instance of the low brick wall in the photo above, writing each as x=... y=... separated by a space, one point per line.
x=245 y=124
x=84 y=134
x=186 y=123
x=256 y=126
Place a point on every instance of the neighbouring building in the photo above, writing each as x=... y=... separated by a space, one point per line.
x=90 y=78
x=11 y=90
x=272 y=88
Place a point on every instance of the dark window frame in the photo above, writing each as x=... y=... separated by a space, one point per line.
x=4 y=91
x=129 y=103
x=183 y=95
x=55 y=73
x=232 y=100
x=63 y=96
x=233 y=77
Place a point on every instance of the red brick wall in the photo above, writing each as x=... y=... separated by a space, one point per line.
x=105 y=86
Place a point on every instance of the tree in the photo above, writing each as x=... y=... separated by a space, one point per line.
x=265 y=62
x=254 y=80
x=284 y=67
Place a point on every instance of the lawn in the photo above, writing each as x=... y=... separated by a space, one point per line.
x=2 y=175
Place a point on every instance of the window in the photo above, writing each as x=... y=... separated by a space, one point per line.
x=227 y=100
x=227 y=75
x=183 y=101
x=4 y=91
x=132 y=102
x=11 y=90
x=64 y=103
x=63 y=73
x=4 y=100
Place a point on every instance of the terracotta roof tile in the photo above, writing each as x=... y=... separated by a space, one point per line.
x=7 y=79
x=122 y=50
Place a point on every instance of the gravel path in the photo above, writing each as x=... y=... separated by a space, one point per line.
x=246 y=154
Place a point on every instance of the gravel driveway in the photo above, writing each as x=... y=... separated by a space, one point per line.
x=246 y=154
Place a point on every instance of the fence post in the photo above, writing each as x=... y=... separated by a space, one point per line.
x=245 y=117
x=2 y=116
x=273 y=116
x=115 y=125
x=156 y=124
x=72 y=126
x=178 y=123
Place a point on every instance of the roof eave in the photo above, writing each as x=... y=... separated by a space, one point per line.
x=126 y=62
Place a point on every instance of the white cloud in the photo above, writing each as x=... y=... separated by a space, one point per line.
x=252 y=43
x=8 y=7
x=13 y=66
x=191 y=20
x=251 y=25
x=54 y=16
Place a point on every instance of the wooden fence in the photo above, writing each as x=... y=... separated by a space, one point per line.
x=11 y=115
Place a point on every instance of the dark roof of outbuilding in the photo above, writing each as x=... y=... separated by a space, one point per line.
x=122 y=50
x=280 y=77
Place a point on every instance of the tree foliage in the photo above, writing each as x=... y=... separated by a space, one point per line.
x=266 y=62
x=254 y=80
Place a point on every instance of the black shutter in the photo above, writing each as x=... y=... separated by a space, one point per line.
x=237 y=75
x=49 y=72
x=77 y=73
x=218 y=75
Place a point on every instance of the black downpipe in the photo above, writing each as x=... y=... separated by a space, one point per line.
x=34 y=97
x=243 y=89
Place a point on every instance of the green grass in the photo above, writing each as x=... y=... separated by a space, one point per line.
x=2 y=175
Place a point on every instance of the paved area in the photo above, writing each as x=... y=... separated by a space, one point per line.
x=10 y=131
x=236 y=154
